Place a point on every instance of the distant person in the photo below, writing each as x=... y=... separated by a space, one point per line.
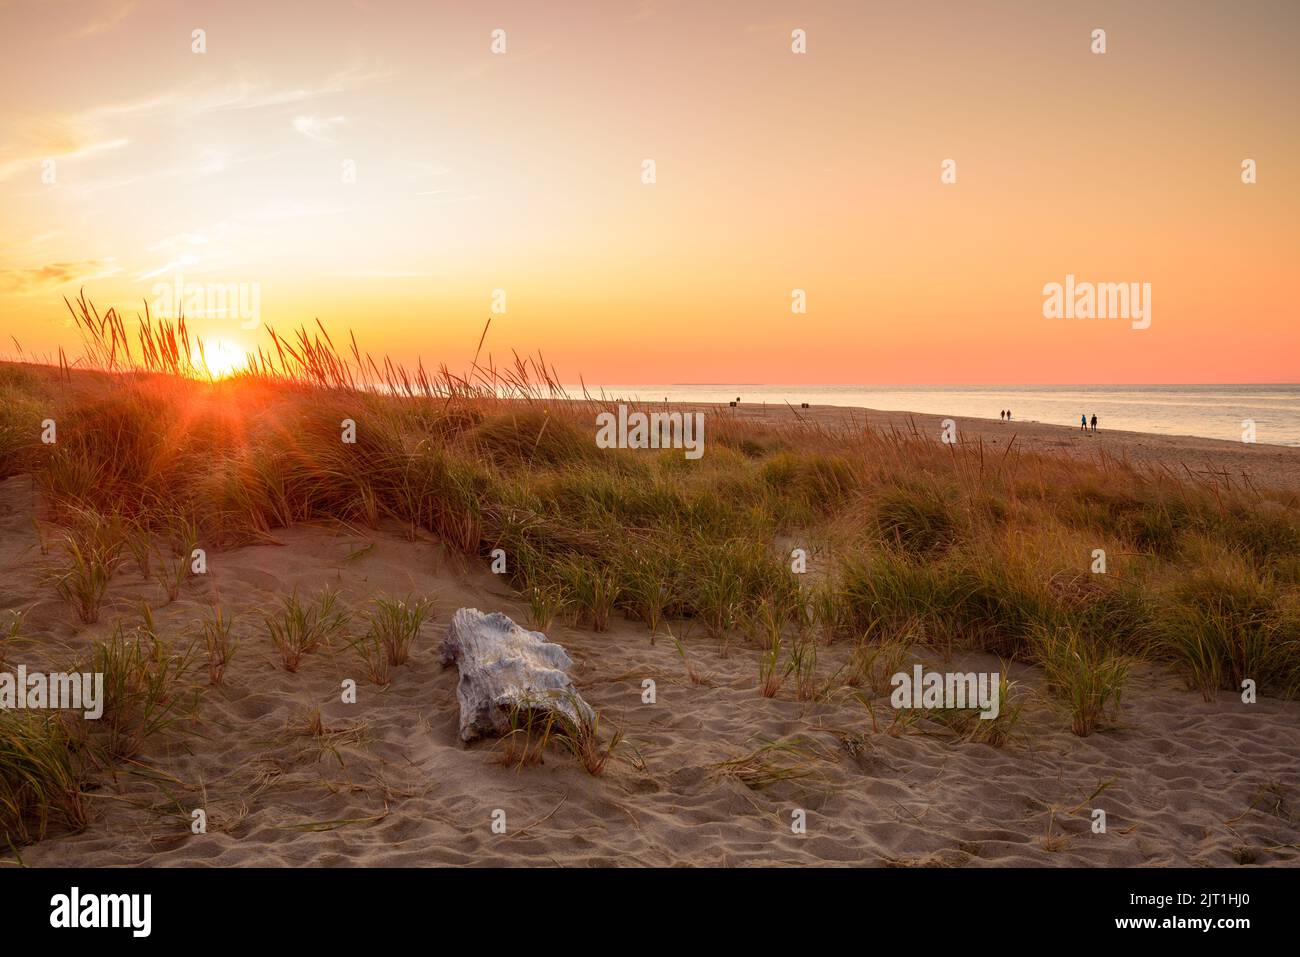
x=1083 y=423
x=1008 y=415
x=1094 y=422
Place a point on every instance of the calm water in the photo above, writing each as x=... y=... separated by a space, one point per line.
x=1211 y=411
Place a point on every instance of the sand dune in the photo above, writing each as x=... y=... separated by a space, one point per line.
x=1186 y=783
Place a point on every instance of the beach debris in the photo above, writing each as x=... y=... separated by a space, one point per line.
x=506 y=670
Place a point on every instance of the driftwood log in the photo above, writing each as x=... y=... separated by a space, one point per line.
x=505 y=671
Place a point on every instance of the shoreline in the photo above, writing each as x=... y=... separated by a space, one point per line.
x=1260 y=464
x=1197 y=411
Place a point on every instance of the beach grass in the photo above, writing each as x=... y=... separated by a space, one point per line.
x=980 y=554
x=914 y=534
x=218 y=644
x=42 y=773
x=299 y=628
x=395 y=623
x=1084 y=675
x=144 y=688
x=917 y=543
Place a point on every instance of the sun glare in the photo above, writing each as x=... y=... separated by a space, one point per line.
x=222 y=358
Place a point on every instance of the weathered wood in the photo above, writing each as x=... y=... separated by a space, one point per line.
x=504 y=670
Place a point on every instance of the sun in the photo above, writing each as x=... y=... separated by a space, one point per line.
x=221 y=358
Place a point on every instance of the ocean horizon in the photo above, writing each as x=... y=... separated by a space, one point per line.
x=1205 y=411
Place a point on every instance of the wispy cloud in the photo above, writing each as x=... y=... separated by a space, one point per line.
x=318 y=127
x=90 y=132
x=189 y=100
x=185 y=259
x=57 y=274
x=107 y=18
x=251 y=95
x=32 y=161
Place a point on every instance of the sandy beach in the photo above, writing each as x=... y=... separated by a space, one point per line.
x=711 y=773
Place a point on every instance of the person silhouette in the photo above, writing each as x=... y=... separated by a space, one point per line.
x=1094 y=422
x=1002 y=414
x=1083 y=423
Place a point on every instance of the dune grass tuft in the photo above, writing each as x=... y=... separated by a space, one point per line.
x=394 y=625
x=1084 y=675
x=93 y=545
x=144 y=688
x=300 y=629
x=218 y=644
x=43 y=772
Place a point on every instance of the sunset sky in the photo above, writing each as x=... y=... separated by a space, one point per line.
x=776 y=171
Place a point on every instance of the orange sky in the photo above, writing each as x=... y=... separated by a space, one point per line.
x=775 y=171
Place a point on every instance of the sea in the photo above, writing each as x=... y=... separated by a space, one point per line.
x=1208 y=411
